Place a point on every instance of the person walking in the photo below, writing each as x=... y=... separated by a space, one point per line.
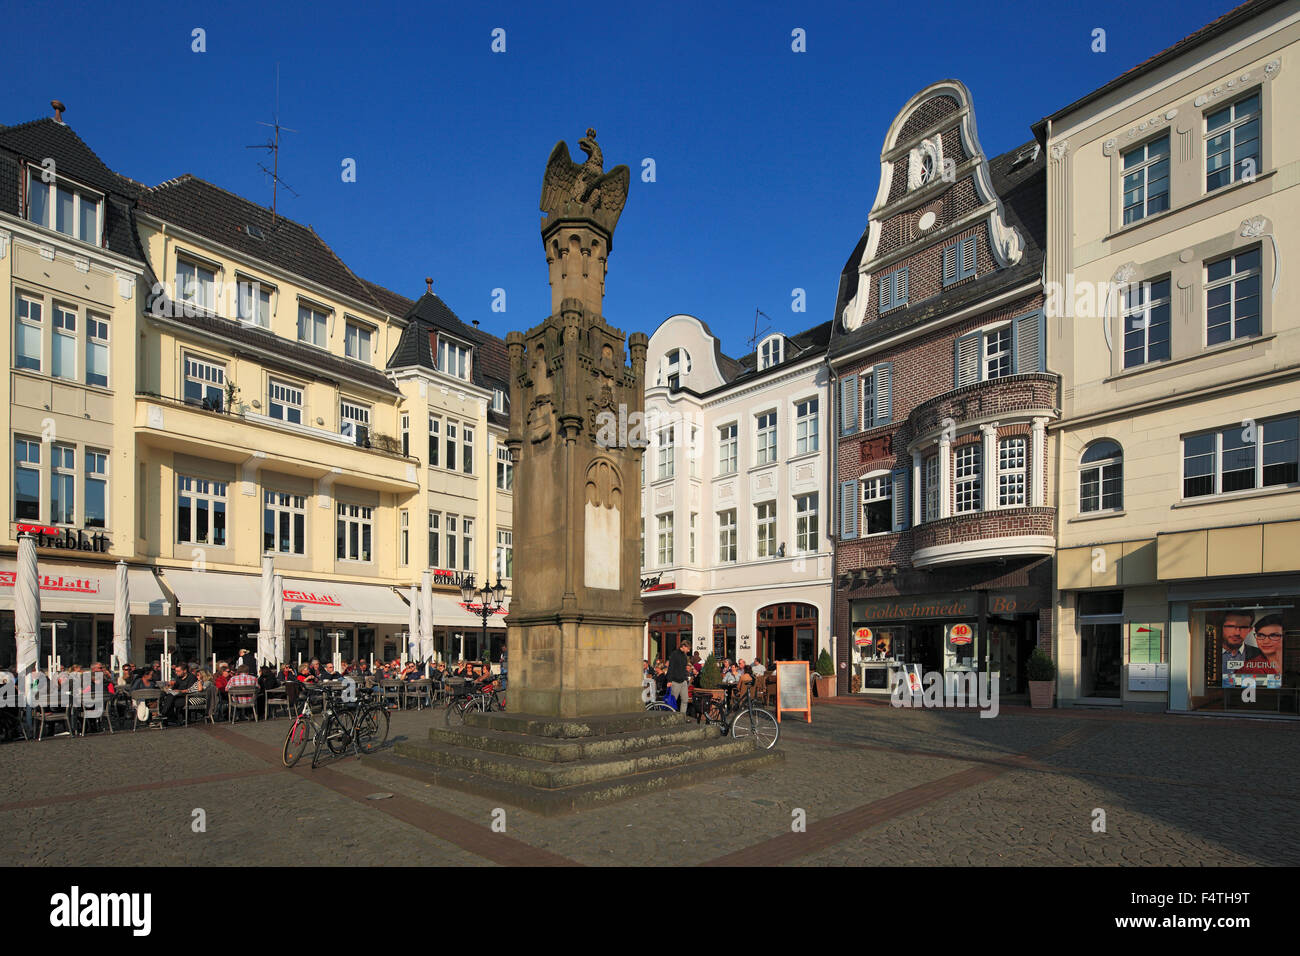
x=677 y=676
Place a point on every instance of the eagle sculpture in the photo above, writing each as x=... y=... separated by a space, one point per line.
x=586 y=190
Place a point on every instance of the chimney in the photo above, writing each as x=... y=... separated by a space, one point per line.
x=429 y=282
x=475 y=323
x=58 y=110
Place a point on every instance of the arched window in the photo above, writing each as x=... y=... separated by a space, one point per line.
x=724 y=634
x=675 y=364
x=1101 y=477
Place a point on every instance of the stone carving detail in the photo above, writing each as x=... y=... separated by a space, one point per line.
x=570 y=189
x=918 y=172
x=1159 y=119
x=1059 y=150
x=602 y=528
x=1234 y=83
x=1254 y=227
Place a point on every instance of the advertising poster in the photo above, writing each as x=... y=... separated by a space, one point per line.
x=1249 y=643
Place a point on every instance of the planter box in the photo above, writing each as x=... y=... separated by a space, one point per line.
x=825 y=686
x=1042 y=694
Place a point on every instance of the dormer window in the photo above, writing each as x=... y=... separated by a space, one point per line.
x=675 y=364
x=58 y=205
x=498 y=400
x=453 y=359
x=771 y=352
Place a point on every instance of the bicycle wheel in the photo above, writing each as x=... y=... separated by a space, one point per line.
x=454 y=715
x=660 y=705
x=295 y=742
x=372 y=729
x=338 y=733
x=757 y=725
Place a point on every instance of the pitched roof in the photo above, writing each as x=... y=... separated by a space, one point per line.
x=214 y=213
x=392 y=302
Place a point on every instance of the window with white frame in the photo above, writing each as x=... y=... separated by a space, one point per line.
x=95 y=481
x=28 y=333
x=313 y=326
x=200 y=511
x=997 y=352
x=1232 y=143
x=676 y=363
x=435 y=440
x=1232 y=297
x=355 y=532
x=60 y=206
x=805 y=426
x=467 y=544
x=284 y=523
x=665 y=539
x=284 y=401
x=1101 y=477
x=453 y=539
x=435 y=538
x=805 y=523
x=766 y=438
x=665 y=453
x=505 y=553
x=1261 y=454
x=353 y=417
x=505 y=469
x=1011 y=472
x=968 y=486
x=96 y=349
x=498 y=400
x=64 y=352
x=930 y=488
x=877 y=504
x=728 y=444
x=690 y=537
x=63 y=484
x=467 y=449
x=453 y=358
x=27 y=479
x=1146 y=323
x=405 y=421
x=765 y=528
x=356 y=342
x=727 y=536
x=196 y=284
x=771 y=352
x=1146 y=179
x=404 y=537
x=254 y=302
x=451 y=444
x=205 y=383
x=693 y=453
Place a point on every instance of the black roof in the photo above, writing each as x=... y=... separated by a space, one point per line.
x=1019 y=179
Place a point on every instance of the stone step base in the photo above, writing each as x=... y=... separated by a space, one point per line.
x=570 y=728
x=567 y=750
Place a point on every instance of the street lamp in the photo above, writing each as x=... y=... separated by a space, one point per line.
x=489 y=599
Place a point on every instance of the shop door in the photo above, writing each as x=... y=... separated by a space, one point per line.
x=927 y=648
x=1101 y=648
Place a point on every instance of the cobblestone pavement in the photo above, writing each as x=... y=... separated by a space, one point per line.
x=875 y=785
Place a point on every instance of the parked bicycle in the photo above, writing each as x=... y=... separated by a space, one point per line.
x=361 y=724
x=754 y=723
x=468 y=697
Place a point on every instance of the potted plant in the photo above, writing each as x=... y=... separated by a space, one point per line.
x=826 y=675
x=1041 y=672
x=710 y=679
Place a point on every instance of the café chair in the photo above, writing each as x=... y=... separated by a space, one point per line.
x=275 y=697
x=105 y=717
x=150 y=697
x=242 y=698
x=52 y=715
x=201 y=703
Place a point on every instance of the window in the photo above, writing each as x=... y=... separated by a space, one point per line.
x=63 y=484
x=284 y=523
x=1146 y=323
x=877 y=395
x=467 y=449
x=356 y=342
x=254 y=303
x=1101 y=477
x=1232 y=143
x=997 y=353
x=1013 y=348
x=313 y=326
x=877 y=505
x=434 y=538
x=665 y=523
x=96 y=483
x=467 y=543
x=959 y=261
x=805 y=427
x=505 y=469
x=96 y=350
x=893 y=290
x=1011 y=472
x=205 y=383
x=435 y=427
x=1146 y=180
x=451 y=445
x=969 y=486
x=766 y=438
x=404 y=537
x=1257 y=455
x=353 y=417
x=664 y=443
x=27 y=479
x=675 y=364
x=765 y=528
x=196 y=285
x=693 y=453
x=406 y=434
x=505 y=553
x=727 y=446
x=805 y=523
x=285 y=402
x=453 y=359
x=200 y=511
x=1232 y=297
x=65 y=343
x=28 y=334
x=727 y=537
x=76 y=212
x=930 y=488
x=355 y=532
x=770 y=352
x=690 y=537
x=499 y=400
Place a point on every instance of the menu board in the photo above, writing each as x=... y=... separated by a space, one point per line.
x=793 y=689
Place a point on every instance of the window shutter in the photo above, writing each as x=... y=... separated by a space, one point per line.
x=900 y=287
x=966 y=360
x=848 y=510
x=968 y=257
x=884 y=393
x=848 y=404
x=902 y=499
x=886 y=300
x=950 y=264
x=1027 y=346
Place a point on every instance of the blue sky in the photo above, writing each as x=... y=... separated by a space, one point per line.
x=767 y=160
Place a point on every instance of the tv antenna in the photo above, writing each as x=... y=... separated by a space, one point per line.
x=753 y=342
x=273 y=145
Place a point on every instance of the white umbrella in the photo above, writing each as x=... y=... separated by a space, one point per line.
x=122 y=616
x=426 y=616
x=27 y=606
x=277 y=619
x=413 y=626
x=266 y=622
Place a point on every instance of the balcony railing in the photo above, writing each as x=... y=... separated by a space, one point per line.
x=1031 y=391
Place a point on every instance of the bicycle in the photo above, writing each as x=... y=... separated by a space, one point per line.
x=469 y=697
x=754 y=723
x=362 y=725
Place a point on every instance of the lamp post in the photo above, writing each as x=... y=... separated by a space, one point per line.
x=489 y=599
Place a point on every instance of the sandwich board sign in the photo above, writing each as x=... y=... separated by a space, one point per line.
x=793 y=689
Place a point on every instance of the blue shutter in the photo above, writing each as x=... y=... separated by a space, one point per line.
x=900 y=286
x=1027 y=334
x=884 y=375
x=967 y=265
x=902 y=499
x=950 y=263
x=848 y=510
x=966 y=364
x=886 y=296
x=848 y=405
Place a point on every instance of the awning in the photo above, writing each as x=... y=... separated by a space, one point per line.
x=450 y=611
x=68 y=588
x=215 y=594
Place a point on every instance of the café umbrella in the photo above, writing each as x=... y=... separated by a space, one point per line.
x=413 y=625
x=277 y=619
x=426 y=616
x=27 y=605
x=266 y=623
x=122 y=616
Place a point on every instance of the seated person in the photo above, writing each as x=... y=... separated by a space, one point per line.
x=181 y=681
x=144 y=680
